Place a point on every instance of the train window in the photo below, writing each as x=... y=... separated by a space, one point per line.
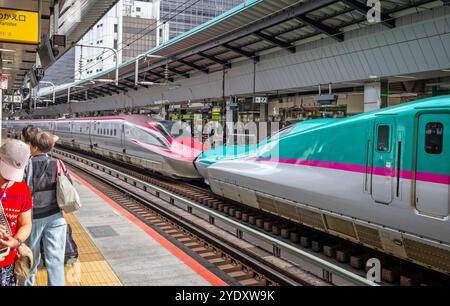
x=115 y=132
x=383 y=138
x=434 y=137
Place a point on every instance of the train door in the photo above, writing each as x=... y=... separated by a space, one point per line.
x=94 y=134
x=122 y=136
x=383 y=161
x=433 y=165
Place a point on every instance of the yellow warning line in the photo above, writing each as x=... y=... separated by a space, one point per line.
x=91 y=269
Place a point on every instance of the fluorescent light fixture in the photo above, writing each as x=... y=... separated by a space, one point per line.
x=7 y=60
x=446 y=70
x=373 y=77
x=7 y=68
x=404 y=76
x=7 y=50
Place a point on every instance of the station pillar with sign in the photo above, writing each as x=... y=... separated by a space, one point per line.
x=263 y=108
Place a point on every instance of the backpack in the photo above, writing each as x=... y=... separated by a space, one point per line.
x=66 y=194
x=71 y=252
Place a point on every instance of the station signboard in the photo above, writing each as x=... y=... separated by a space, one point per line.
x=18 y=26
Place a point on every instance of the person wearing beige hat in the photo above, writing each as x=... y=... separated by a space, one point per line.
x=15 y=208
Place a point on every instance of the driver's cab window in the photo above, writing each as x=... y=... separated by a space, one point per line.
x=144 y=137
x=383 y=138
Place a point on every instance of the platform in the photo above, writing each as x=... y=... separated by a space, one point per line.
x=117 y=249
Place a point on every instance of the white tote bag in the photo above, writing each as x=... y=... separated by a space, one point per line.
x=66 y=194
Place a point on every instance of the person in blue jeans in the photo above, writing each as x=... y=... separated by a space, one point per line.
x=49 y=225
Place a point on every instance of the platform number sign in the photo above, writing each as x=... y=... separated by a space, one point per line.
x=261 y=100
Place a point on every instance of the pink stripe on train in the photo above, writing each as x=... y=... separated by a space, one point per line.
x=404 y=174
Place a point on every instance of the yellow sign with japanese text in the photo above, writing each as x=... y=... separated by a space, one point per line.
x=18 y=26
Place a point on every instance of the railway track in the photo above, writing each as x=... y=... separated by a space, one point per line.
x=344 y=254
x=219 y=255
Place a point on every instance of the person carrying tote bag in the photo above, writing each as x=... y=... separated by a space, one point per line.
x=15 y=214
x=66 y=194
x=49 y=225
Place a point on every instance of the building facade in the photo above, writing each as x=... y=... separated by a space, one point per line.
x=132 y=27
x=192 y=16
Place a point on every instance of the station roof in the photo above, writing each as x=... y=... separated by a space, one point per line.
x=253 y=28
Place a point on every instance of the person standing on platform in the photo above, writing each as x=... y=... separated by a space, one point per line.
x=15 y=207
x=49 y=224
x=28 y=133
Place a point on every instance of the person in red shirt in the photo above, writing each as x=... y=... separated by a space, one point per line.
x=15 y=206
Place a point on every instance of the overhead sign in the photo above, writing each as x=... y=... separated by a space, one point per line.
x=261 y=100
x=19 y=26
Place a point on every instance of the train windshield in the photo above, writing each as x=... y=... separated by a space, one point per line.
x=170 y=129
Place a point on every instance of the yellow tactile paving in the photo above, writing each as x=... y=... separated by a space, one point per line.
x=91 y=268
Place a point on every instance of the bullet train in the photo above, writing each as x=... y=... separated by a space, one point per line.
x=230 y=152
x=153 y=144
x=380 y=179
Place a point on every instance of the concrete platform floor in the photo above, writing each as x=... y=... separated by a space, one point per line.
x=114 y=249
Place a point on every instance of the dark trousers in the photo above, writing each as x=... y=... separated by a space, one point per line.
x=7 y=277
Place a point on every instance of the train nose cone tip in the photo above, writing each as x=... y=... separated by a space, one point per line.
x=202 y=169
x=187 y=150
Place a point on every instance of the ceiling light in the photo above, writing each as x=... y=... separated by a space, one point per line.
x=7 y=60
x=7 y=50
x=446 y=70
x=373 y=77
x=404 y=76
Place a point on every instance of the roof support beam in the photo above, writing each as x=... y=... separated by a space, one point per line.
x=127 y=85
x=97 y=93
x=106 y=92
x=333 y=33
x=92 y=96
x=117 y=87
x=363 y=9
x=107 y=88
x=182 y=74
x=146 y=78
x=250 y=55
x=132 y=81
x=282 y=44
x=160 y=76
x=79 y=97
x=192 y=65
x=215 y=59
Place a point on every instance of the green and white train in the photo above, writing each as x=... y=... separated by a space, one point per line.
x=380 y=179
